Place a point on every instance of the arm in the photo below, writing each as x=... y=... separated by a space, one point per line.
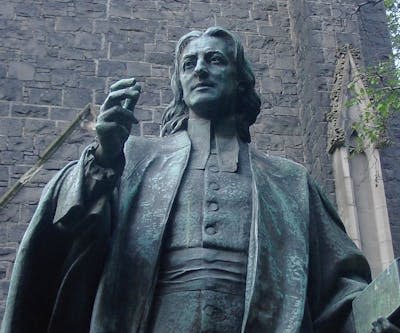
x=68 y=235
x=338 y=270
x=83 y=186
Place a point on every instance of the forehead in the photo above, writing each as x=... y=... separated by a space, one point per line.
x=206 y=44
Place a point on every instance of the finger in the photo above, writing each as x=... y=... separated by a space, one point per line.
x=116 y=97
x=117 y=114
x=131 y=102
x=122 y=84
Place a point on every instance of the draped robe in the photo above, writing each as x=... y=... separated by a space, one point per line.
x=91 y=265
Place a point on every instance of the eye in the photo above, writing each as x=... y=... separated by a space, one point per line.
x=217 y=59
x=188 y=64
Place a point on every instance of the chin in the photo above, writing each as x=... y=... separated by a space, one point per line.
x=205 y=113
x=208 y=108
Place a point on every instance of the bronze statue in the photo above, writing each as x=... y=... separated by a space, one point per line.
x=195 y=231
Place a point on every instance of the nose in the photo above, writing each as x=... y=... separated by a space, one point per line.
x=201 y=69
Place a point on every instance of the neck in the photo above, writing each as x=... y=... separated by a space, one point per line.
x=221 y=122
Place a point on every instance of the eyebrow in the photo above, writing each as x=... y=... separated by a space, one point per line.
x=191 y=55
x=188 y=56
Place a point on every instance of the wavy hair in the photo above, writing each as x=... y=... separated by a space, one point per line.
x=248 y=105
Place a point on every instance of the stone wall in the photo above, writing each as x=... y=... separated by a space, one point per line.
x=375 y=46
x=58 y=56
x=55 y=57
x=318 y=29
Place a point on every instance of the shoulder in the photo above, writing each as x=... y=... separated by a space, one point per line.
x=142 y=150
x=276 y=165
x=157 y=144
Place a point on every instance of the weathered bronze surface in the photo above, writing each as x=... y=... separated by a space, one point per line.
x=196 y=231
x=380 y=299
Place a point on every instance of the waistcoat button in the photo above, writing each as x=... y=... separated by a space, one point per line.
x=214 y=186
x=211 y=230
x=213 y=206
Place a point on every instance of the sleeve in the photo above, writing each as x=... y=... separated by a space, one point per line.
x=83 y=186
x=71 y=223
x=338 y=270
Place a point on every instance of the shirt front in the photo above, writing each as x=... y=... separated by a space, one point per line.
x=203 y=265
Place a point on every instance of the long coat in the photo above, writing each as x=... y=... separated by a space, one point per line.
x=91 y=265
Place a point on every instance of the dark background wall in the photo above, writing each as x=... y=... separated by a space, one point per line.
x=57 y=56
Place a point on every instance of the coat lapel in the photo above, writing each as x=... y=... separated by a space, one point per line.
x=155 y=168
x=278 y=253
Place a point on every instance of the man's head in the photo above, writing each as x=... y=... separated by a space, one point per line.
x=212 y=78
x=207 y=75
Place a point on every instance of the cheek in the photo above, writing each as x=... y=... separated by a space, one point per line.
x=184 y=85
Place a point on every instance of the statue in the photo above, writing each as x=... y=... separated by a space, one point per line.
x=196 y=231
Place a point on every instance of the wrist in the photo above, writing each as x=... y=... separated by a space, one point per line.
x=105 y=159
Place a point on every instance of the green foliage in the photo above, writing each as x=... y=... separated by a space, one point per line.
x=382 y=83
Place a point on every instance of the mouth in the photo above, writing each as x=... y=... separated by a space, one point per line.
x=202 y=85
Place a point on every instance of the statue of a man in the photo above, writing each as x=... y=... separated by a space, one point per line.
x=196 y=231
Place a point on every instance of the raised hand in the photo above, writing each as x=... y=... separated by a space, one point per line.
x=115 y=120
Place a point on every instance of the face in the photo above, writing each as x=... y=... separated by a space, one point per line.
x=208 y=78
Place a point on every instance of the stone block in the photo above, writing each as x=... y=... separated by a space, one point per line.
x=63 y=113
x=149 y=98
x=151 y=129
x=23 y=144
x=7 y=10
x=90 y=9
x=40 y=127
x=166 y=96
x=5 y=270
x=3 y=71
x=30 y=111
x=4 y=109
x=281 y=125
x=27 y=195
x=99 y=97
x=234 y=12
x=143 y=114
x=4 y=174
x=77 y=97
x=284 y=62
x=159 y=58
x=10 y=213
x=261 y=42
x=111 y=68
x=45 y=96
x=4 y=285
x=11 y=126
x=138 y=69
x=128 y=50
x=68 y=23
x=272 y=85
x=11 y=157
x=67 y=152
x=10 y=90
x=174 y=33
x=87 y=41
x=120 y=9
x=21 y=71
x=16 y=232
x=8 y=252
x=92 y=83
